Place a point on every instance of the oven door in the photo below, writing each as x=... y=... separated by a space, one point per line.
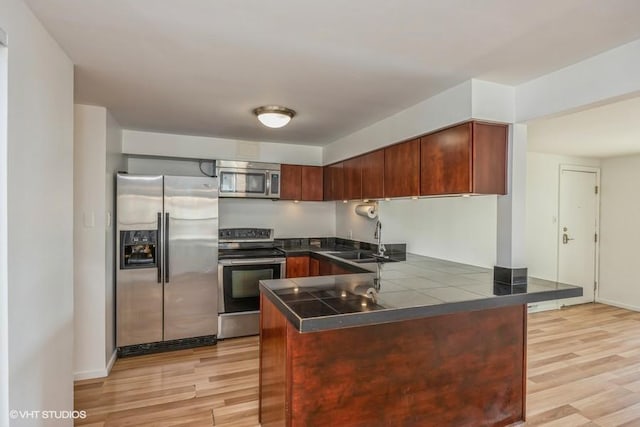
x=239 y=282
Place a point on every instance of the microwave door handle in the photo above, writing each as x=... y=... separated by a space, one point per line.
x=166 y=247
x=158 y=247
x=268 y=178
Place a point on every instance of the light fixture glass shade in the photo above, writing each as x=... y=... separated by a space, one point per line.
x=274 y=116
x=274 y=120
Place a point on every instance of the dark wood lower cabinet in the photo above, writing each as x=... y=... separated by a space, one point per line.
x=297 y=266
x=314 y=267
x=464 y=369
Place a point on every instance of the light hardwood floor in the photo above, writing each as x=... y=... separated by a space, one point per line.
x=584 y=370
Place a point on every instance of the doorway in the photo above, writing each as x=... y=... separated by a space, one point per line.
x=578 y=230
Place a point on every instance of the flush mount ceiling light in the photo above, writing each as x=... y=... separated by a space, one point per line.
x=274 y=116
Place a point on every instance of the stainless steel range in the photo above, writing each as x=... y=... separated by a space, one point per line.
x=245 y=256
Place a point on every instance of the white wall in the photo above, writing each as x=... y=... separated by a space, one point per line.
x=602 y=78
x=40 y=217
x=620 y=232
x=461 y=229
x=198 y=147
x=90 y=134
x=115 y=162
x=543 y=186
x=4 y=294
x=97 y=147
x=451 y=106
x=288 y=219
x=151 y=166
x=350 y=225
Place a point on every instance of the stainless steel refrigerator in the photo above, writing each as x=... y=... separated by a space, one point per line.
x=167 y=260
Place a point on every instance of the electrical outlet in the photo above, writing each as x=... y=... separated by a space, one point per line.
x=351 y=234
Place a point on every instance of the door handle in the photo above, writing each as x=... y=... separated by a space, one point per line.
x=565 y=238
x=166 y=247
x=158 y=247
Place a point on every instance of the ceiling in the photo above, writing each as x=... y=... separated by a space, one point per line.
x=199 y=67
x=607 y=131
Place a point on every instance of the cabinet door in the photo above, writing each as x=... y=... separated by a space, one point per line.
x=352 y=179
x=445 y=161
x=333 y=182
x=312 y=183
x=402 y=169
x=314 y=267
x=297 y=266
x=372 y=166
x=490 y=158
x=325 y=268
x=291 y=179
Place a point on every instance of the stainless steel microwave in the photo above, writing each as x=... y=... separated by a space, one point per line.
x=248 y=179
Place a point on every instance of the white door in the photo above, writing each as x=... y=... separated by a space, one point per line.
x=578 y=228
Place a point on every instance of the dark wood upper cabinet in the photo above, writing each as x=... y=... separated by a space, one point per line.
x=352 y=170
x=312 y=183
x=467 y=158
x=402 y=169
x=372 y=165
x=291 y=182
x=301 y=182
x=490 y=141
x=334 y=182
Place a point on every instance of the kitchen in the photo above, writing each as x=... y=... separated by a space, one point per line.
x=446 y=233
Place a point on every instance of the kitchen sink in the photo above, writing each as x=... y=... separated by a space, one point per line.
x=360 y=257
x=354 y=255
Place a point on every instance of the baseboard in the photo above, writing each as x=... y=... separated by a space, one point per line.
x=543 y=306
x=618 y=304
x=99 y=373
x=112 y=360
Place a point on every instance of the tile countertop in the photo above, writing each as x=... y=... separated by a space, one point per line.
x=416 y=288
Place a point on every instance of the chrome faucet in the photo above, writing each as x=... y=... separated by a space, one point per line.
x=378 y=235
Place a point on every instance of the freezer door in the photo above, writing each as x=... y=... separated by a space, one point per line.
x=138 y=254
x=191 y=257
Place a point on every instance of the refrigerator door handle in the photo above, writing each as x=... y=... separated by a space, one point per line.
x=158 y=248
x=166 y=247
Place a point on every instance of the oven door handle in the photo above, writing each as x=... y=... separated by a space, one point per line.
x=252 y=261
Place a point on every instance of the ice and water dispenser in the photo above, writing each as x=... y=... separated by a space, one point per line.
x=138 y=249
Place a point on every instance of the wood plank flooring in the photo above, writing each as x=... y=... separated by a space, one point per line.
x=584 y=370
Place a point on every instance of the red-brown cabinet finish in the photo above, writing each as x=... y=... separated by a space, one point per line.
x=352 y=179
x=297 y=266
x=445 y=161
x=402 y=169
x=312 y=183
x=434 y=371
x=291 y=182
x=301 y=182
x=314 y=267
x=372 y=165
x=333 y=182
x=490 y=158
x=467 y=158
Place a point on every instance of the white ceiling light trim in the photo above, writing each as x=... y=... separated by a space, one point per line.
x=274 y=116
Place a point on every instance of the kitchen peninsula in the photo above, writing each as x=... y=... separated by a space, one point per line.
x=421 y=342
